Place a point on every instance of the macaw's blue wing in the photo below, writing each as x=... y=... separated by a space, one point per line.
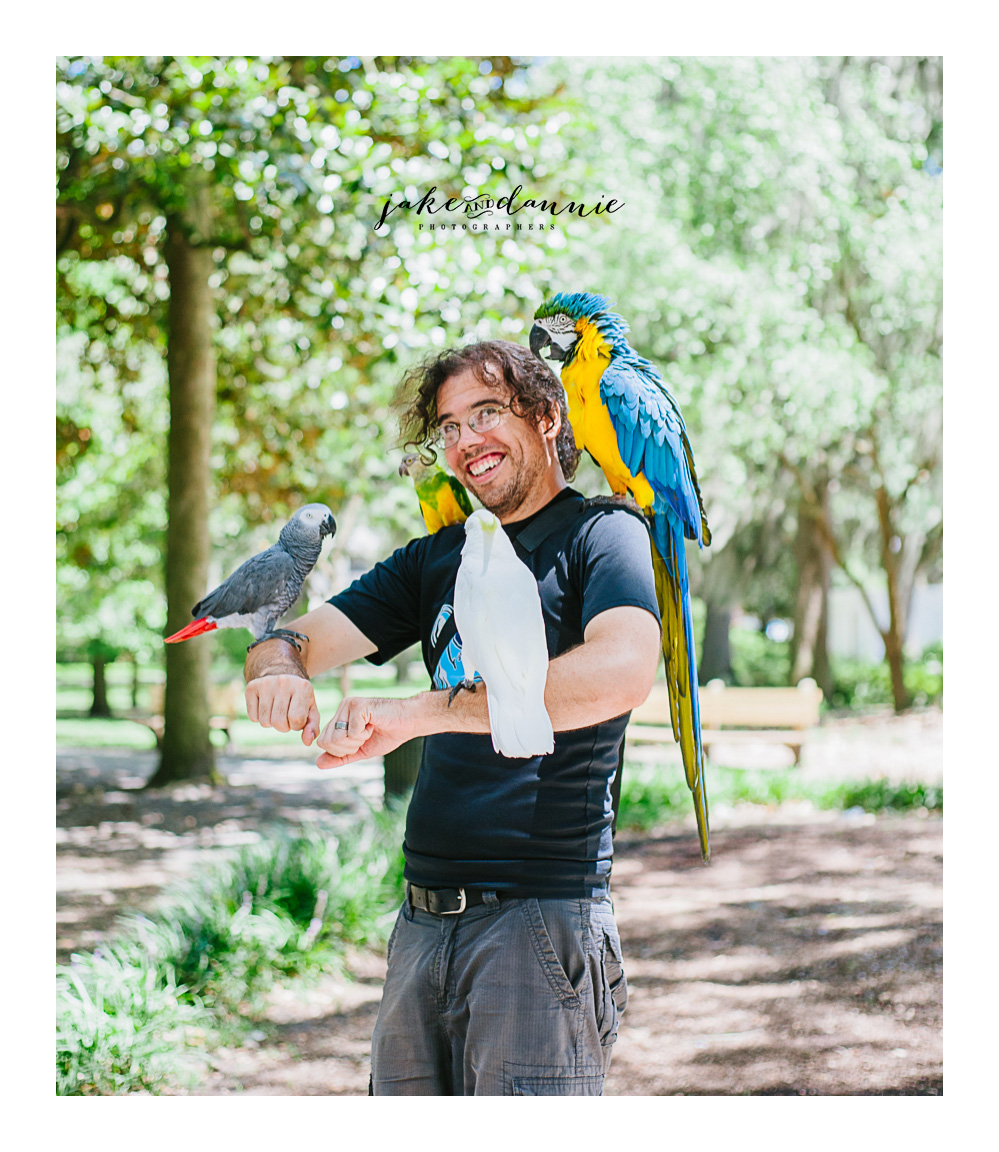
x=652 y=441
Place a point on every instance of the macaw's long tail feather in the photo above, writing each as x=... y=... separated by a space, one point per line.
x=669 y=563
x=195 y=628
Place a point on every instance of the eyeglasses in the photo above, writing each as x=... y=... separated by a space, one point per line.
x=481 y=420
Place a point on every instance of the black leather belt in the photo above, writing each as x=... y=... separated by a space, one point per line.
x=451 y=901
x=444 y=901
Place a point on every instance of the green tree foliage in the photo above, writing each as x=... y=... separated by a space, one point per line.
x=278 y=169
x=789 y=285
x=316 y=310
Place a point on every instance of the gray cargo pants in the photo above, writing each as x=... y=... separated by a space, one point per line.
x=515 y=997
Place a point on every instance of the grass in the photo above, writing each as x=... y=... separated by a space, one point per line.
x=652 y=796
x=121 y=1026
x=141 y=1013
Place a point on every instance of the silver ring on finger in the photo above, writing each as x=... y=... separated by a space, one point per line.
x=341 y=725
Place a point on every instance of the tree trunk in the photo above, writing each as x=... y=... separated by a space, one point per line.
x=100 y=705
x=716 y=657
x=821 y=669
x=814 y=561
x=187 y=752
x=894 y=635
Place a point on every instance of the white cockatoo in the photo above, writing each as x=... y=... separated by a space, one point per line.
x=497 y=611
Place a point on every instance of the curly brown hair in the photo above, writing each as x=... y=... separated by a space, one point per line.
x=534 y=393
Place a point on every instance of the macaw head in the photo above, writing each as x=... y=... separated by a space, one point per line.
x=561 y=322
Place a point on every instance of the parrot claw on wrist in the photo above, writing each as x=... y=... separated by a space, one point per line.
x=281 y=634
x=469 y=684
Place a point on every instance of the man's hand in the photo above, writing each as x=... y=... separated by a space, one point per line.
x=284 y=702
x=278 y=689
x=374 y=726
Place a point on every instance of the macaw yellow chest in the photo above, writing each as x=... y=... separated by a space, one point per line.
x=592 y=426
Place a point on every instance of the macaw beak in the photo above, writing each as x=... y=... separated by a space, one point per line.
x=539 y=338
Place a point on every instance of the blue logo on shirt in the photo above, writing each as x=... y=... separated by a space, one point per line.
x=448 y=671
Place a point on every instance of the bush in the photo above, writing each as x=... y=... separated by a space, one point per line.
x=883 y=795
x=224 y=959
x=121 y=1027
x=287 y=906
x=652 y=796
x=283 y=907
x=866 y=684
x=758 y=661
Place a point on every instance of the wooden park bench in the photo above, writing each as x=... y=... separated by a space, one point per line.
x=226 y=702
x=735 y=715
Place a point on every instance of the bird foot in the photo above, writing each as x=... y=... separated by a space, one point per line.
x=469 y=684
x=281 y=634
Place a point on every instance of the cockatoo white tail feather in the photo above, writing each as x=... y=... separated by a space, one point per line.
x=497 y=610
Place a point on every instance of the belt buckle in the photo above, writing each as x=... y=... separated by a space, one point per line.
x=459 y=909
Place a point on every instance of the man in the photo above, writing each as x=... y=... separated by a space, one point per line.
x=504 y=967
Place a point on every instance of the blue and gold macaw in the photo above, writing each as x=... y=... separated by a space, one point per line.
x=443 y=499
x=623 y=415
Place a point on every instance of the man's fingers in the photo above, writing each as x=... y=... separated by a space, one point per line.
x=285 y=703
x=326 y=760
x=347 y=731
x=301 y=707
x=311 y=729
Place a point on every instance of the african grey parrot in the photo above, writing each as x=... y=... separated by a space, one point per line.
x=497 y=610
x=260 y=591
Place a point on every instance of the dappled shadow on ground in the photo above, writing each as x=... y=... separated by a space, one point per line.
x=806 y=960
x=316 y=1041
x=118 y=845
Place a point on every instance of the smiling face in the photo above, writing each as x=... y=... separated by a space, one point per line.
x=512 y=469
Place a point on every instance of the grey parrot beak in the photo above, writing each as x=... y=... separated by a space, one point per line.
x=539 y=338
x=329 y=527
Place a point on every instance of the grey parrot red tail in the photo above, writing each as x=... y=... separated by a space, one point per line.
x=195 y=628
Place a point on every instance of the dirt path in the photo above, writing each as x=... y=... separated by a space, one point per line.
x=806 y=960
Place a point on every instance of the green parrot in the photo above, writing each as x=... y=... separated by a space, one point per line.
x=443 y=500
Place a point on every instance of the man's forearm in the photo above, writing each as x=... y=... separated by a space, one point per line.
x=605 y=677
x=332 y=640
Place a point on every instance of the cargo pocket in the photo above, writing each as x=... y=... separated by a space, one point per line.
x=523 y=1080
x=614 y=986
